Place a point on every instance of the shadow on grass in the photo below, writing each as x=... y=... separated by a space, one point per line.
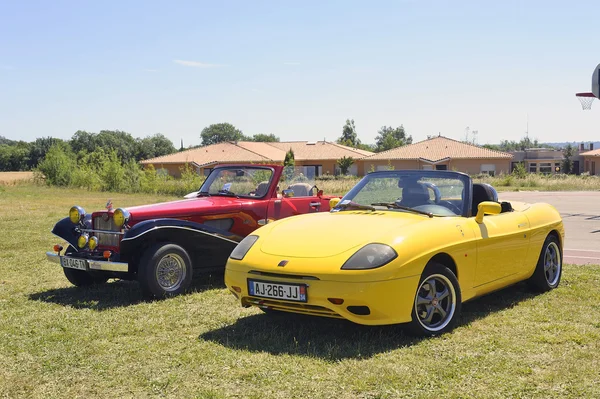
x=333 y=339
x=115 y=294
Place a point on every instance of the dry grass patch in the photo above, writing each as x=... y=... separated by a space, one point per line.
x=15 y=177
x=60 y=341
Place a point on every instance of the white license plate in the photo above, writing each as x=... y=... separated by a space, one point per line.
x=73 y=263
x=268 y=289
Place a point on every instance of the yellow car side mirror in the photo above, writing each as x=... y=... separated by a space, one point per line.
x=333 y=202
x=487 y=207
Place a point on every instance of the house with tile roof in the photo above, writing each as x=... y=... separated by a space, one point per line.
x=591 y=160
x=440 y=153
x=316 y=158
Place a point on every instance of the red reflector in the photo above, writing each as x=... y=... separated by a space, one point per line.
x=336 y=301
x=106 y=254
x=237 y=289
x=58 y=248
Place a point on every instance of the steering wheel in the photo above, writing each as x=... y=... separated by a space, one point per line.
x=436 y=191
x=450 y=206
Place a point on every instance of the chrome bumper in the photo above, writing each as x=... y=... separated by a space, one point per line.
x=94 y=264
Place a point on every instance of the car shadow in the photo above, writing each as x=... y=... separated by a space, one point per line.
x=115 y=293
x=334 y=339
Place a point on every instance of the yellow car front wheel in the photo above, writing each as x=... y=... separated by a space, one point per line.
x=437 y=301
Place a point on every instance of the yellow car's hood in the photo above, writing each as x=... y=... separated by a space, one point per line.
x=328 y=234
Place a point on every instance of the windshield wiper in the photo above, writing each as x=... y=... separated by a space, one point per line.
x=353 y=206
x=227 y=193
x=405 y=208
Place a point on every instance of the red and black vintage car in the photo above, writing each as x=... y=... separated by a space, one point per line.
x=162 y=245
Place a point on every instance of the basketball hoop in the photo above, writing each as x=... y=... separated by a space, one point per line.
x=586 y=100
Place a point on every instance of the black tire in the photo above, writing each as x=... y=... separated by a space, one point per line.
x=165 y=270
x=437 y=302
x=81 y=278
x=548 y=270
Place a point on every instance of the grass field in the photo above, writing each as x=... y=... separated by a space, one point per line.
x=61 y=341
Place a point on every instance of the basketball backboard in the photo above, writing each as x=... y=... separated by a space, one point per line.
x=587 y=98
x=596 y=81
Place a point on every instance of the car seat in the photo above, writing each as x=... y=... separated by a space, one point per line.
x=261 y=189
x=482 y=192
x=414 y=194
x=301 y=189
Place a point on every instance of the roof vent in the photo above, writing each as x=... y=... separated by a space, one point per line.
x=311 y=143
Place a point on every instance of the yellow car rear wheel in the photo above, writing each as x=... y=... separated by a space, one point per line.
x=548 y=271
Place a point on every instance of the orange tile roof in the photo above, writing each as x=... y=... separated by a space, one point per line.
x=439 y=148
x=250 y=151
x=593 y=153
x=319 y=150
x=221 y=152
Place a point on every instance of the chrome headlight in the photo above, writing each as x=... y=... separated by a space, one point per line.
x=121 y=217
x=243 y=247
x=371 y=256
x=76 y=214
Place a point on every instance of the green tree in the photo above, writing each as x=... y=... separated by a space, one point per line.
x=4 y=140
x=289 y=164
x=14 y=157
x=567 y=163
x=219 y=132
x=121 y=142
x=511 y=145
x=39 y=148
x=265 y=138
x=389 y=137
x=113 y=173
x=82 y=141
x=58 y=165
x=154 y=146
x=349 y=136
x=344 y=163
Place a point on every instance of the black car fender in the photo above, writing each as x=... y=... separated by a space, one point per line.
x=69 y=231
x=208 y=247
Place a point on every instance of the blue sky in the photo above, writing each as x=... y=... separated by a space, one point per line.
x=298 y=70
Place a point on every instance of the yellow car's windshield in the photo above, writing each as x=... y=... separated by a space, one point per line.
x=431 y=192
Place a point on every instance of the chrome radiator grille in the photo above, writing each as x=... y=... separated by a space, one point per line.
x=106 y=239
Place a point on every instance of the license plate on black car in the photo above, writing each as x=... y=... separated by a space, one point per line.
x=269 y=289
x=73 y=263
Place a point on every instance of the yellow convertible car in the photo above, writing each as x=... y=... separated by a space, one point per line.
x=404 y=246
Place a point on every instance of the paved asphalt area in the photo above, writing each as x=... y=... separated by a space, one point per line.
x=580 y=211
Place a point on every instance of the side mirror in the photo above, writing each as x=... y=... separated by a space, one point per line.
x=333 y=202
x=287 y=193
x=487 y=207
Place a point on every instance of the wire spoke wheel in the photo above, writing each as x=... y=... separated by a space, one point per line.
x=435 y=302
x=170 y=272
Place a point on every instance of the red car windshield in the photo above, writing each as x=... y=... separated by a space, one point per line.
x=238 y=182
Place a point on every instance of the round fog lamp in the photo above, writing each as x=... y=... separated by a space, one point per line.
x=93 y=242
x=82 y=240
x=121 y=217
x=76 y=214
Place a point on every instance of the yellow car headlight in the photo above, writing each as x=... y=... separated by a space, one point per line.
x=243 y=247
x=82 y=240
x=371 y=256
x=121 y=217
x=93 y=242
x=76 y=214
